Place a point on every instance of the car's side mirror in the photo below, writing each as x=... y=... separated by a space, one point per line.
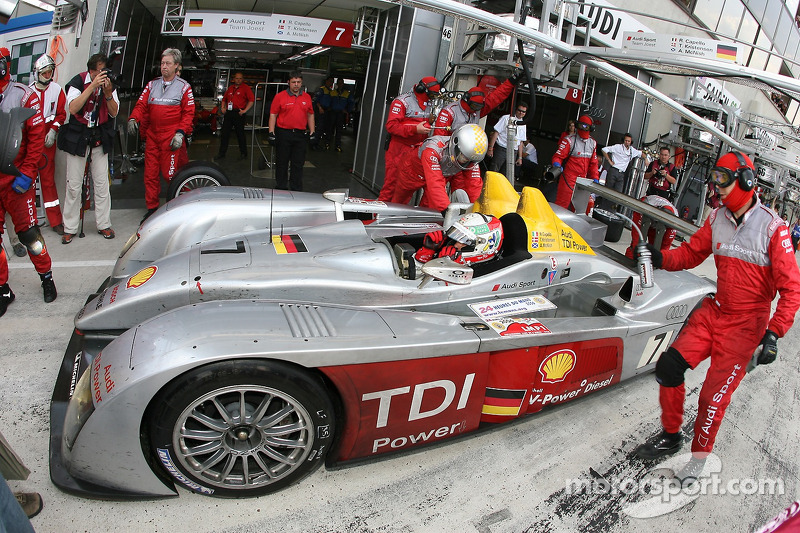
x=447 y=270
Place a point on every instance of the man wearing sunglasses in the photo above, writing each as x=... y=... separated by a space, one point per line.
x=498 y=141
x=473 y=106
x=754 y=259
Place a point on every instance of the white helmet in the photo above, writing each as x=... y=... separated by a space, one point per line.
x=481 y=235
x=43 y=64
x=468 y=145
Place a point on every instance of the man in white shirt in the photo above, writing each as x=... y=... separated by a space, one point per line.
x=619 y=157
x=498 y=141
x=530 y=161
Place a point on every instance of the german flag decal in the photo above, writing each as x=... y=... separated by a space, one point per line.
x=503 y=402
x=288 y=244
x=195 y=23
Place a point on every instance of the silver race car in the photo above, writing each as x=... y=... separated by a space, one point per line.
x=235 y=366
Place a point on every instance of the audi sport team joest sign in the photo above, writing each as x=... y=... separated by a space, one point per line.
x=272 y=27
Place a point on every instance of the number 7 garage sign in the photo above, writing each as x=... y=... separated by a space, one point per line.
x=270 y=27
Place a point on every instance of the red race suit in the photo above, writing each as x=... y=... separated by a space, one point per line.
x=453 y=115
x=581 y=162
x=22 y=207
x=431 y=172
x=646 y=225
x=163 y=109
x=54 y=110
x=754 y=261
x=406 y=111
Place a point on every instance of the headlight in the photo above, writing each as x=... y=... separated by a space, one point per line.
x=80 y=408
x=131 y=241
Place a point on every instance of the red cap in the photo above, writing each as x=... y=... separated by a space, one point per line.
x=731 y=162
x=586 y=119
x=4 y=53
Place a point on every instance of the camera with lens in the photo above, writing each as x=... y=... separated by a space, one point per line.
x=113 y=77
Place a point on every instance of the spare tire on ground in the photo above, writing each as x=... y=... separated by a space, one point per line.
x=615 y=223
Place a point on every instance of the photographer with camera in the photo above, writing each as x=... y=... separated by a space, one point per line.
x=661 y=174
x=93 y=104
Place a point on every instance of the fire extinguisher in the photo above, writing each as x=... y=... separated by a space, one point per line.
x=685 y=214
x=590 y=205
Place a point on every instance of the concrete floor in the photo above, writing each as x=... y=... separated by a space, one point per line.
x=512 y=478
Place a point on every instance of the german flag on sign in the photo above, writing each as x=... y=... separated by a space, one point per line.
x=726 y=52
x=288 y=244
x=195 y=23
x=503 y=402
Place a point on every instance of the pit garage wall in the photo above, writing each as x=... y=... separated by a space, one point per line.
x=407 y=51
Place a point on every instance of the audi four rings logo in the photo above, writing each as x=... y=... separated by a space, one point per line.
x=677 y=311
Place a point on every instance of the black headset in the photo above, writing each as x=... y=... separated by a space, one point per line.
x=744 y=174
x=470 y=94
x=422 y=87
x=3 y=67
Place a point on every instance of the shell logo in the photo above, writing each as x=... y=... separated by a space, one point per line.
x=141 y=277
x=557 y=365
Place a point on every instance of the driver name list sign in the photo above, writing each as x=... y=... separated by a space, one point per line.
x=270 y=27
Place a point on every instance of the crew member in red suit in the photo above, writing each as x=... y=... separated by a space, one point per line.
x=646 y=225
x=408 y=125
x=238 y=100
x=54 y=110
x=17 y=193
x=578 y=155
x=444 y=160
x=473 y=106
x=754 y=259
x=165 y=111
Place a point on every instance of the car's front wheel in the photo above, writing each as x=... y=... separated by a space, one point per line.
x=241 y=428
x=196 y=175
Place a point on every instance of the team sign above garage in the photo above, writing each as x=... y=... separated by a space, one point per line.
x=272 y=27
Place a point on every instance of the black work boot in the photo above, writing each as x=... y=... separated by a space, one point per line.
x=6 y=297
x=48 y=287
x=662 y=444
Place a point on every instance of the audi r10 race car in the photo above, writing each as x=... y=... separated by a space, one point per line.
x=236 y=366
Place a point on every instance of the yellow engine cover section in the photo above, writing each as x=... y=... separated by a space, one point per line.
x=547 y=233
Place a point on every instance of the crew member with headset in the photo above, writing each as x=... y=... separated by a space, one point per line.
x=577 y=155
x=754 y=259
x=473 y=106
x=17 y=193
x=408 y=126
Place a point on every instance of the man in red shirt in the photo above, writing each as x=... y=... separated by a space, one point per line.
x=166 y=111
x=236 y=103
x=290 y=114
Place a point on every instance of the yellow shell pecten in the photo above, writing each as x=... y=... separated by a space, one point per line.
x=556 y=367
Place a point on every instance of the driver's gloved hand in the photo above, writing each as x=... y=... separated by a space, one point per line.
x=433 y=240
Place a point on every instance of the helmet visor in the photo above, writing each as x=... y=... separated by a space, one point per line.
x=459 y=233
x=475 y=106
x=721 y=177
x=583 y=126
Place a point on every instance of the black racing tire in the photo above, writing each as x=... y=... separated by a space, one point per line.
x=196 y=175
x=198 y=434
x=615 y=223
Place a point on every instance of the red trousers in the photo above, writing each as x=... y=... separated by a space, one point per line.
x=22 y=208
x=729 y=339
x=47 y=169
x=160 y=160
x=394 y=157
x=566 y=187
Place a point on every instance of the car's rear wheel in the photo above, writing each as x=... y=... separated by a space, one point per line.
x=241 y=428
x=196 y=175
